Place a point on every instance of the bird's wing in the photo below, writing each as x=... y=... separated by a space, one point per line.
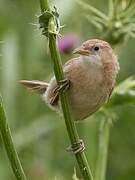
x=52 y=94
x=35 y=85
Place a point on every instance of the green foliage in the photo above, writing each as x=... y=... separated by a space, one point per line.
x=124 y=93
x=117 y=25
x=43 y=154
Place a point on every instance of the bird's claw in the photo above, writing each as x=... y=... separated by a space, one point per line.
x=63 y=85
x=77 y=147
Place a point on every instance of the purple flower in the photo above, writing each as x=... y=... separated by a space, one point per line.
x=67 y=43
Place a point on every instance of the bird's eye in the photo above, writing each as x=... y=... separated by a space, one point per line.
x=96 y=48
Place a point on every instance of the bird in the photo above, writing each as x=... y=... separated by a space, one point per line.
x=89 y=80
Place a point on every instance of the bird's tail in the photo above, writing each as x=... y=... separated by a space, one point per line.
x=35 y=85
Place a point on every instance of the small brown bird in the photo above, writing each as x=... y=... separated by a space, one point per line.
x=89 y=78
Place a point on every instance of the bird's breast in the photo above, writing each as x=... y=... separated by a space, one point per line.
x=87 y=91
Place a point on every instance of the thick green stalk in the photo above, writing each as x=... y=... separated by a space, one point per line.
x=102 y=154
x=9 y=146
x=71 y=128
x=69 y=120
x=44 y=5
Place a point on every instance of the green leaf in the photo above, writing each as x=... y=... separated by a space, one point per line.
x=111 y=8
x=125 y=86
x=44 y=19
x=94 y=22
x=74 y=177
x=92 y=9
x=129 y=12
x=123 y=94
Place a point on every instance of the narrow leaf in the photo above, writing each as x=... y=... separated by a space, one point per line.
x=92 y=9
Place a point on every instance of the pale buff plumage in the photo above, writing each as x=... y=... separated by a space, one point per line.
x=92 y=78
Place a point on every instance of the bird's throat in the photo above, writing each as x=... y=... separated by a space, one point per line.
x=93 y=60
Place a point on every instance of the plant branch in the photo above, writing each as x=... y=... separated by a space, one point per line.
x=9 y=146
x=44 y=5
x=69 y=120
x=102 y=154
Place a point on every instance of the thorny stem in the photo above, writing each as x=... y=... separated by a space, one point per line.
x=69 y=120
x=9 y=146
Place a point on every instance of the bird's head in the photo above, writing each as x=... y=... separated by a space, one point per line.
x=96 y=48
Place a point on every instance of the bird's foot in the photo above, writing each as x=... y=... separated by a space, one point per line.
x=63 y=85
x=77 y=147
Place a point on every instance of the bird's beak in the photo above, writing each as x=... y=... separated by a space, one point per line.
x=80 y=50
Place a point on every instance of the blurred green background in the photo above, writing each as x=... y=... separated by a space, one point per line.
x=38 y=133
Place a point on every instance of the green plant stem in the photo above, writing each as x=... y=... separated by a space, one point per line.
x=9 y=146
x=104 y=132
x=69 y=120
x=71 y=128
x=44 y=5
